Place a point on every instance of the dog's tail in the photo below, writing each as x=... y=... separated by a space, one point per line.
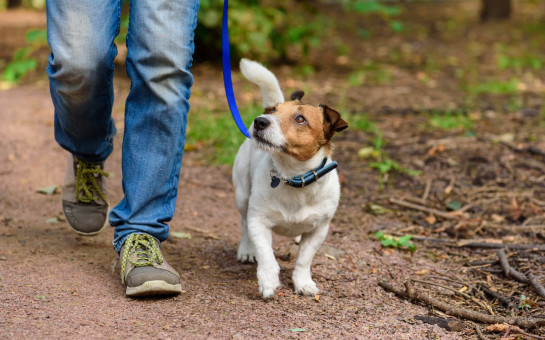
x=265 y=79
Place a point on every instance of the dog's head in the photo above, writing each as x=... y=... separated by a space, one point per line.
x=296 y=129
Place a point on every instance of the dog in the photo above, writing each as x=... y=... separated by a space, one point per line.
x=285 y=181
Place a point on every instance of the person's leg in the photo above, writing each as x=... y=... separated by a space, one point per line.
x=160 y=51
x=81 y=37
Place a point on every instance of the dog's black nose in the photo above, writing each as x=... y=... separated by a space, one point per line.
x=261 y=123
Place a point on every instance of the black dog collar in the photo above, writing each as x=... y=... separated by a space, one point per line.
x=304 y=179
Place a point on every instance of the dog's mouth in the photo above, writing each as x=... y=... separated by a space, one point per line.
x=268 y=145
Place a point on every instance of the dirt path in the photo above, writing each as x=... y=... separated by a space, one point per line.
x=56 y=284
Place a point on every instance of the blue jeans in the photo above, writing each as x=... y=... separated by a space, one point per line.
x=160 y=51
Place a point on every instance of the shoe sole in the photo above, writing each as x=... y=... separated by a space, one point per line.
x=94 y=232
x=157 y=287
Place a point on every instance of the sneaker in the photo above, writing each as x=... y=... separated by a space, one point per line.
x=144 y=269
x=84 y=201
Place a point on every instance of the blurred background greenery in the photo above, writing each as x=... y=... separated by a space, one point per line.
x=448 y=59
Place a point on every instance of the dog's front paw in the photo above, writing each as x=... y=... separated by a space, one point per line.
x=246 y=252
x=267 y=288
x=305 y=287
x=268 y=281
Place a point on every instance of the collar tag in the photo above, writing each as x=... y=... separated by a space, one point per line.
x=275 y=181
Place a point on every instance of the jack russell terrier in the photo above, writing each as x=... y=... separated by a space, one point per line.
x=285 y=180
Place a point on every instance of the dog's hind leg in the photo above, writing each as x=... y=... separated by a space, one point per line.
x=246 y=249
x=310 y=243
x=241 y=181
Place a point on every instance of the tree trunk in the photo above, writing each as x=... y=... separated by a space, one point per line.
x=14 y=3
x=495 y=9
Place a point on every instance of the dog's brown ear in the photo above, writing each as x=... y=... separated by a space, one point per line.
x=297 y=95
x=333 y=121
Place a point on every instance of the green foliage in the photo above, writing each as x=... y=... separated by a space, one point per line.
x=523 y=302
x=370 y=73
x=495 y=87
x=218 y=133
x=403 y=242
x=451 y=120
x=519 y=63
x=123 y=29
x=260 y=31
x=361 y=122
x=22 y=61
x=374 y=7
x=384 y=164
x=454 y=205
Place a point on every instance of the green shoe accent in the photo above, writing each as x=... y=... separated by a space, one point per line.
x=86 y=182
x=145 y=249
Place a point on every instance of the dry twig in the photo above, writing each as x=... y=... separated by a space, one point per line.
x=508 y=270
x=457 y=292
x=502 y=299
x=415 y=296
x=486 y=245
x=534 y=281
x=445 y=215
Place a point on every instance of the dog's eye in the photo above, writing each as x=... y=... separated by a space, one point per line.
x=300 y=119
x=269 y=110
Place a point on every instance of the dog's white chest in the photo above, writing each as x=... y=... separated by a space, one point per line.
x=295 y=213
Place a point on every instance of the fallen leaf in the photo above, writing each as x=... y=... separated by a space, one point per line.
x=514 y=210
x=422 y=272
x=181 y=235
x=454 y=205
x=497 y=218
x=49 y=190
x=317 y=298
x=376 y=209
x=436 y=149
x=366 y=152
x=509 y=239
x=463 y=289
x=388 y=251
x=281 y=294
x=500 y=328
x=297 y=330
x=331 y=257
x=431 y=219
x=506 y=137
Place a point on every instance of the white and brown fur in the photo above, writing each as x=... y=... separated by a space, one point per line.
x=293 y=138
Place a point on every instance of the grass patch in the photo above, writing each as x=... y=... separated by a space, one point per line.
x=384 y=164
x=217 y=133
x=495 y=87
x=451 y=120
x=360 y=121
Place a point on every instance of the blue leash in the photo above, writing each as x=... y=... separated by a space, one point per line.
x=227 y=82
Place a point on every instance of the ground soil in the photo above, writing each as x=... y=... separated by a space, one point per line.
x=56 y=284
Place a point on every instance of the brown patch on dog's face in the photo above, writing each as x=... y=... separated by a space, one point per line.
x=306 y=128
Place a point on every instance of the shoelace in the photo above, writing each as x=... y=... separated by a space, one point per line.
x=86 y=184
x=146 y=251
